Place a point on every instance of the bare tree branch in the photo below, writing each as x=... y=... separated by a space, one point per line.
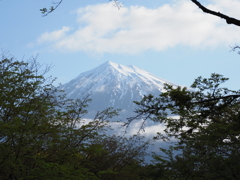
x=236 y=48
x=117 y=4
x=46 y=11
x=229 y=20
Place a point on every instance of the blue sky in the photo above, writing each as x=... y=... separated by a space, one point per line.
x=172 y=39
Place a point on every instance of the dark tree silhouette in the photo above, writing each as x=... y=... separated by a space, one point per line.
x=229 y=20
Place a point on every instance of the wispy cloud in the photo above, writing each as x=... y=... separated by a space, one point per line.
x=104 y=29
x=53 y=36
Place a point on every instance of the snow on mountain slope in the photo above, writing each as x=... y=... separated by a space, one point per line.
x=114 y=85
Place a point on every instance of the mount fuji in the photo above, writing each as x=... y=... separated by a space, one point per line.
x=114 y=85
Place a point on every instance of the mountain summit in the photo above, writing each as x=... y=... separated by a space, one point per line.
x=114 y=85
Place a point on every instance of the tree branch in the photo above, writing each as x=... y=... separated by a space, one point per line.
x=46 y=11
x=234 y=96
x=229 y=20
x=235 y=48
x=117 y=4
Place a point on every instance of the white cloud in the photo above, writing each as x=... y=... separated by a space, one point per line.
x=103 y=28
x=150 y=128
x=53 y=36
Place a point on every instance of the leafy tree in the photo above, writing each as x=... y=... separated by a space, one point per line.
x=37 y=139
x=115 y=156
x=203 y=127
x=43 y=135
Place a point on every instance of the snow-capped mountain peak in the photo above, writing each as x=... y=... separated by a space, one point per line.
x=114 y=85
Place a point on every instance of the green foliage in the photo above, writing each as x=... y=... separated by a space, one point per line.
x=204 y=125
x=43 y=135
